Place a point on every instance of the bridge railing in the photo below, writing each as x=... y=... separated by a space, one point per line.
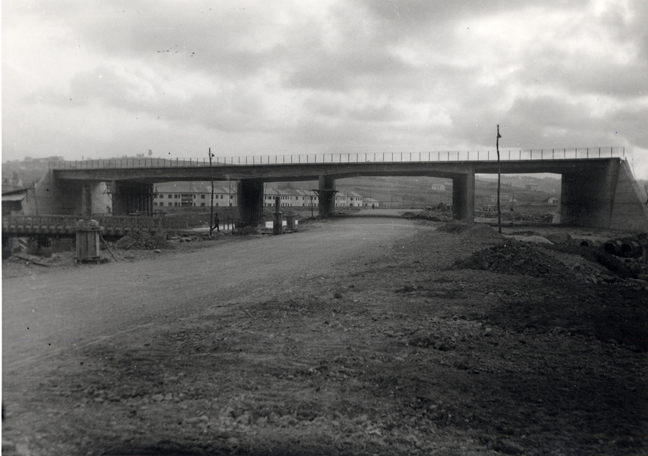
x=66 y=224
x=359 y=157
x=44 y=224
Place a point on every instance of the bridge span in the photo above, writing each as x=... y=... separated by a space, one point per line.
x=597 y=188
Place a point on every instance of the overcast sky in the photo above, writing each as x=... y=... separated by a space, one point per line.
x=99 y=79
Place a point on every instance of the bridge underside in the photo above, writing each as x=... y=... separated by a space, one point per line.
x=595 y=192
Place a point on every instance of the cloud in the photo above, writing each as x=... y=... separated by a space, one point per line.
x=290 y=76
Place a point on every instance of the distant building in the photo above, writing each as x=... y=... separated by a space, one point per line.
x=12 y=201
x=370 y=202
x=290 y=197
x=356 y=199
x=438 y=187
x=192 y=194
x=552 y=200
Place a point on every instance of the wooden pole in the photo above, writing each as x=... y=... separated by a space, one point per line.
x=211 y=205
x=108 y=248
x=499 y=178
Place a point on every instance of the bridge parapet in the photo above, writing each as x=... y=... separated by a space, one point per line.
x=584 y=153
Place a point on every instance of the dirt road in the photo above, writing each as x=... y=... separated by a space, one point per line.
x=358 y=337
x=46 y=314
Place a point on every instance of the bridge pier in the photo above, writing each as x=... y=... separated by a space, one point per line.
x=463 y=197
x=326 y=196
x=64 y=197
x=130 y=197
x=250 y=201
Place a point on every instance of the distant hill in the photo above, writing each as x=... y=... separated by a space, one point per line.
x=549 y=185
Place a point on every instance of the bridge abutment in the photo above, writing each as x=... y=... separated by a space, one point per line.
x=607 y=197
x=463 y=197
x=326 y=196
x=586 y=197
x=250 y=201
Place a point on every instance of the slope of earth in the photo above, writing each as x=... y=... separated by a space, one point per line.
x=399 y=350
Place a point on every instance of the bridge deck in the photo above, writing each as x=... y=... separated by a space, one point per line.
x=279 y=172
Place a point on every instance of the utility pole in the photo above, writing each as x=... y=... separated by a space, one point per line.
x=499 y=178
x=211 y=205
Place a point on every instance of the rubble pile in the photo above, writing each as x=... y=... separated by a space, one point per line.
x=245 y=231
x=434 y=215
x=475 y=230
x=515 y=258
x=142 y=241
x=509 y=216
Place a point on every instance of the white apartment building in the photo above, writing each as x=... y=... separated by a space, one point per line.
x=192 y=194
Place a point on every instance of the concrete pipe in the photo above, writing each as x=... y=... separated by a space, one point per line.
x=631 y=249
x=612 y=246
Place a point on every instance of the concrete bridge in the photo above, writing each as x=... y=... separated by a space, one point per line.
x=598 y=188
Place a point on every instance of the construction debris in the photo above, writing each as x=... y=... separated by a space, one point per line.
x=475 y=230
x=515 y=258
x=245 y=231
x=142 y=241
x=433 y=214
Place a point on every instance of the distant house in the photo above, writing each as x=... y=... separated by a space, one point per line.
x=12 y=201
x=438 y=187
x=552 y=200
x=370 y=202
x=348 y=199
x=355 y=199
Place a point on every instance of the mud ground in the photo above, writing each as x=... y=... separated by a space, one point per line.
x=404 y=351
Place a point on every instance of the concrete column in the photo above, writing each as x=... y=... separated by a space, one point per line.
x=463 y=197
x=250 y=201
x=130 y=197
x=277 y=226
x=326 y=196
x=587 y=196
